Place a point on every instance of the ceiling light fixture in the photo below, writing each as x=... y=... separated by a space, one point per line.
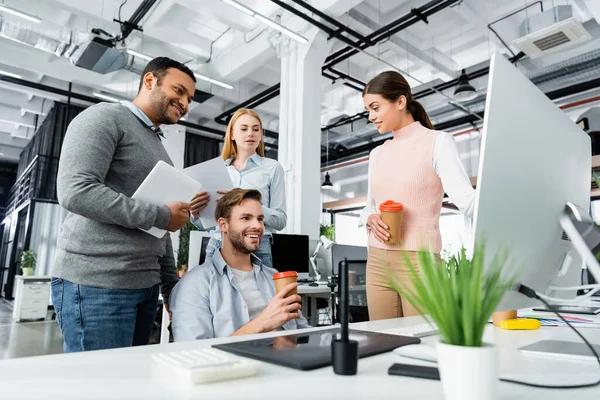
x=269 y=22
x=207 y=79
x=24 y=15
x=10 y=74
x=106 y=97
x=240 y=7
x=327 y=182
x=464 y=91
x=140 y=55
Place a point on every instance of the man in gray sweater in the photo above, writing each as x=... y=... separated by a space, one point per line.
x=107 y=271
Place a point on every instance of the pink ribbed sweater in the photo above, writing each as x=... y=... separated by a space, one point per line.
x=403 y=172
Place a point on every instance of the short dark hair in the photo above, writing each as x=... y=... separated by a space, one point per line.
x=159 y=67
x=234 y=198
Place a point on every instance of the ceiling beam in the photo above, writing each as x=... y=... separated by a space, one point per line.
x=402 y=47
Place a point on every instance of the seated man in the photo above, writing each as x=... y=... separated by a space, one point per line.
x=232 y=293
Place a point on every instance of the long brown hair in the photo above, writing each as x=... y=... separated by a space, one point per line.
x=391 y=85
x=229 y=147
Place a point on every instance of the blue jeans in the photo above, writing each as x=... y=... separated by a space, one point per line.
x=263 y=252
x=92 y=318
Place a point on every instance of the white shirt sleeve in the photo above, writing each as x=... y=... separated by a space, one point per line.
x=452 y=173
x=371 y=207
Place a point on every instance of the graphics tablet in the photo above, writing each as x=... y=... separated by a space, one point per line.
x=307 y=351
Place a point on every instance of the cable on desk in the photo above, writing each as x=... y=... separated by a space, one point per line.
x=532 y=294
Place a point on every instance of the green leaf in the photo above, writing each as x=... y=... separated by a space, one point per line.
x=458 y=294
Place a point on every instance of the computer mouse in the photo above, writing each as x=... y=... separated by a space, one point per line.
x=417 y=351
x=313 y=284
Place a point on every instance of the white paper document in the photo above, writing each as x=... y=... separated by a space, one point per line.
x=164 y=185
x=214 y=176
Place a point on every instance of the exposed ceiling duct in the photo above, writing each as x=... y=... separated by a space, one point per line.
x=552 y=30
x=363 y=42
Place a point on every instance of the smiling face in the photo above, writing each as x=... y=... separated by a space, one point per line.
x=171 y=96
x=247 y=133
x=245 y=226
x=384 y=114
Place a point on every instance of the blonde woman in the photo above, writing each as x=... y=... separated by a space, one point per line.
x=244 y=155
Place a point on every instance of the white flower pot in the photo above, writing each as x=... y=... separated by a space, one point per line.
x=27 y=271
x=468 y=373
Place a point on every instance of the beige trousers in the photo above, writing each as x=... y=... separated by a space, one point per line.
x=383 y=301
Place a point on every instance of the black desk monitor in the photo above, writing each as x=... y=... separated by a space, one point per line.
x=290 y=253
x=341 y=251
x=308 y=351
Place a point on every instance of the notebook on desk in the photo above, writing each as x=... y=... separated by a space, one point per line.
x=308 y=351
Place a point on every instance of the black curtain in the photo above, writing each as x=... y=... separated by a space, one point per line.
x=199 y=149
x=46 y=145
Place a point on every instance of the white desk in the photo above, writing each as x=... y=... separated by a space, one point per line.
x=131 y=373
x=309 y=295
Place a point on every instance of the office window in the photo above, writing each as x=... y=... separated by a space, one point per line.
x=595 y=211
x=456 y=232
x=347 y=230
x=454 y=228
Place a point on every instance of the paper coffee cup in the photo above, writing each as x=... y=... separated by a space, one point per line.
x=391 y=215
x=282 y=279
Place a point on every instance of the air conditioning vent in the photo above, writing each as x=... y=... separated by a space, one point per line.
x=552 y=41
x=565 y=236
x=551 y=31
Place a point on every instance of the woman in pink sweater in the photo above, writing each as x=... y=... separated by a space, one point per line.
x=414 y=168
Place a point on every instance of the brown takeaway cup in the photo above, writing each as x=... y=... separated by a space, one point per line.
x=391 y=214
x=282 y=279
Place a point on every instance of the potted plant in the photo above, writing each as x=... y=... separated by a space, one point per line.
x=184 y=245
x=28 y=262
x=459 y=296
x=328 y=231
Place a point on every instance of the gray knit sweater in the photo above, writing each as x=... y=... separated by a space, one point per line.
x=106 y=155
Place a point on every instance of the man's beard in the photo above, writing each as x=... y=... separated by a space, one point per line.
x=160 y=106
x=238 y=243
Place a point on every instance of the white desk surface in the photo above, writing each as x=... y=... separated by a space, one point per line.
x=131 y=374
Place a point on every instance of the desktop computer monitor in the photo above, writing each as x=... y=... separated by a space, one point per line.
x=355 y=253
x=533 y=161
x=290 y=253
x=197 y=248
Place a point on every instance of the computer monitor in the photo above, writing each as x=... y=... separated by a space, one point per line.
x=197 y=248
x=533 y=161
x=290 y=253
x=352 y=253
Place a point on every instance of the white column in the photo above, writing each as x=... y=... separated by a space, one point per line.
x=174 y=142
x=300 y=130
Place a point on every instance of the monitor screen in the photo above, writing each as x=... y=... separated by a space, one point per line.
x=290 y=252
x=197 y=248
x=352 y=253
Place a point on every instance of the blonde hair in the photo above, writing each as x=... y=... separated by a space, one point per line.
x=229 y=147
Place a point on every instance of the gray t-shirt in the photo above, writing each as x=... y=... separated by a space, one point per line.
x=246 y=283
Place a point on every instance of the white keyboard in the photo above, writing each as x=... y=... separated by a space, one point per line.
x=208 y=364
x=419 y=331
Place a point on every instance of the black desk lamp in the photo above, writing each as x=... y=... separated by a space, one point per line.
x=344 y=352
